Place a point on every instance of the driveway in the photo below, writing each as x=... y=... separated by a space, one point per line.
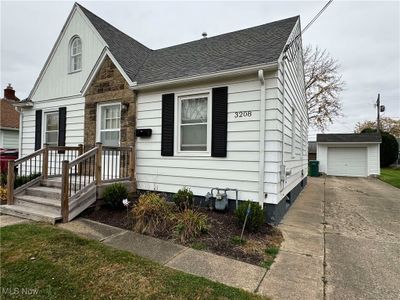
x=342 y=241
x=362 y=239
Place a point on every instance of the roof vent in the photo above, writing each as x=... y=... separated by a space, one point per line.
x=204 y=34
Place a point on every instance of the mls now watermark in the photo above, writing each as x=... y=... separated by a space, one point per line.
x=19 y=291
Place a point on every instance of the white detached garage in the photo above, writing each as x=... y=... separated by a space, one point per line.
x=355 y=155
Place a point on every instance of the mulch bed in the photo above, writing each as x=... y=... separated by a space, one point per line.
x=222 y=237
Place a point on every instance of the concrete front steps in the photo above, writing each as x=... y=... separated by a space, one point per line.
x=39 y=203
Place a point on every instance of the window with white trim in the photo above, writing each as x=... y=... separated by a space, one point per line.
x=75 y=52
x=110 y=119
x=194 y=123
x=51 y=128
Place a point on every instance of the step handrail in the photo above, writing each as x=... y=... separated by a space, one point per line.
x=76 y=168
x=12 y=164
x=38 y=165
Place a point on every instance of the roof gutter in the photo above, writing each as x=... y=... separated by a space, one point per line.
x=190 y=79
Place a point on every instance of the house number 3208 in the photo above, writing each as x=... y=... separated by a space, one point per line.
x=242 y=114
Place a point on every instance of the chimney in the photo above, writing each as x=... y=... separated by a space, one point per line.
x=9 y=93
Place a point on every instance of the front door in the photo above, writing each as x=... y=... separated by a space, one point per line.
x=108 y=133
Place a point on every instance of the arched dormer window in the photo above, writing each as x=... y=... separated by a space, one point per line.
x=75 y=54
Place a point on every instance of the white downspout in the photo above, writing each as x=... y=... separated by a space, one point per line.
x=261 y=166
x=21 y=130
x=282 y=168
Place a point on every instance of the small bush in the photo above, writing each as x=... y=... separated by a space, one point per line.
x=236 y=240
x=190 y=224
x=114 y=194
x=389 y=149
x=255 y=219
x=22 y=179
x=151 y=214
x=272 y=251
x=183 y=198
x=3 y=194
x=3 y=179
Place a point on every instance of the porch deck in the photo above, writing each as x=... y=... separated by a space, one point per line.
x=55 y=188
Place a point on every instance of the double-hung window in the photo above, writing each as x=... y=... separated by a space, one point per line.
x=194 y=123
x=110 y=118
x=51 y=128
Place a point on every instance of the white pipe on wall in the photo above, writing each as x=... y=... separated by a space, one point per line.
x=261 y=196
x=283 y=172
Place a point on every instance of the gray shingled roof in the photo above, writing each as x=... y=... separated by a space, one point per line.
x=349 y=138
x=248 y=47
x=129 y=53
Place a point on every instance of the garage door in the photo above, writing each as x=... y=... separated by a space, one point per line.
x=347 y=161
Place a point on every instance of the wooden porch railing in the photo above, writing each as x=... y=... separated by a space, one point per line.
x=91 y=169
x=38 y=165
x=80 y=172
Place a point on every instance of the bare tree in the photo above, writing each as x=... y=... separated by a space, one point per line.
x=323 y=86
x=387 y=124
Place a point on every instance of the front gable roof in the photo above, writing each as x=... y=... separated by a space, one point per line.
x=129 y=53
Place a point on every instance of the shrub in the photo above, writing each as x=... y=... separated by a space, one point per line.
x=22 y=179
x=255 y=219
x=389 y=149
x=151 y=214
x=190 y=224
x=3 y=179
x=3 y=194
x=183 y=198
x=114 y=194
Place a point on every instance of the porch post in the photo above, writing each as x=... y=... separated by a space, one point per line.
x=132 y=163
x=45 y=162
x=65 y=191
x=98 y=163
x=10 y=182
x=80 y=152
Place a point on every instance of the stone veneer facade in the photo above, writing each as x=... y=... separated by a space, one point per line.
x=110 y=86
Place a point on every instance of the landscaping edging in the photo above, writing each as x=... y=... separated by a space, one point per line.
x=214 y=267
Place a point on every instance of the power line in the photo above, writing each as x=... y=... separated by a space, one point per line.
x=308 y=25
x=316 y=17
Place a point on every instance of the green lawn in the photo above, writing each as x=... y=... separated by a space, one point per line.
x=50 y=263
x=391 y=176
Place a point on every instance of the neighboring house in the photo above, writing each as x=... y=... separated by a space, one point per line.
x=312 y=150
x=224 y=111
x=9 y=120
x=353 y=154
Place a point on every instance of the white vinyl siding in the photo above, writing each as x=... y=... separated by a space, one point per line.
x=75 y=122
x=57 y=80
x=58 y=88
x=240 y=167
x=295 y=126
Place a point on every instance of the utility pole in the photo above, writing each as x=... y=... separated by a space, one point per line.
x=379 y=108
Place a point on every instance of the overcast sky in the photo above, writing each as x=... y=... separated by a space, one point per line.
x=363 y=36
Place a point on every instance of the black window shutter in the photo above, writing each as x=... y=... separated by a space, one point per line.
x=62 y=126
x=219 y=121
x=38 y=129
x=167 y=123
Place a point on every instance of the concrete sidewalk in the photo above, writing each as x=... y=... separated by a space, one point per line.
x=297 y=272
x=217 y=268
